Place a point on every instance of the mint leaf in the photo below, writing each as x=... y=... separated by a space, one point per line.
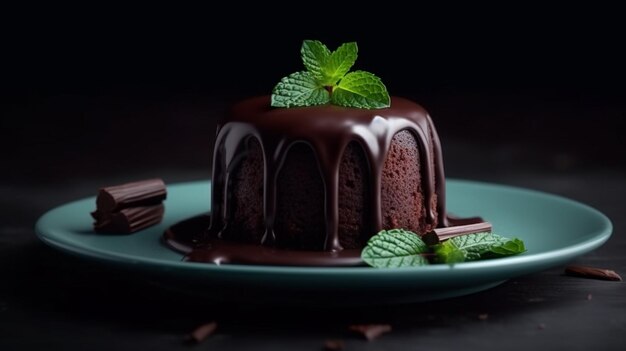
x=361 y=89
x=339 y=63
x=395 y=248
x=299 y=89
x=314 y=56
x=402 y=248
x=449 y=254
x=507 y=248
x=472 y=247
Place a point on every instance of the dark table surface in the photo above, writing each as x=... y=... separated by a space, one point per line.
x=67 y=146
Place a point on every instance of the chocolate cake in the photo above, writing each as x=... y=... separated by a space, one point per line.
x=325 y=177
x=308 y=175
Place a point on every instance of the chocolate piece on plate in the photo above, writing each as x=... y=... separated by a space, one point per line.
x=129 y=220
x=141 y=193
x=129 y=207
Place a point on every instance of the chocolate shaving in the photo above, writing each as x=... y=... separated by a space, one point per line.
x=202 y=332
x=592 y=273
x=141 y=193
x=333 y=345
x=440 y=234
x=371 y=331
x=128 y=220
x=130 y=207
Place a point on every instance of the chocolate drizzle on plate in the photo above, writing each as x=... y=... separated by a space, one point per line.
x=190 y=237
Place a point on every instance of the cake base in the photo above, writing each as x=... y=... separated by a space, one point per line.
x=190 y=238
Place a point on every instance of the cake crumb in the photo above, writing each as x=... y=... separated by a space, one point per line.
x=483 y=316
x=202 y=332
x=371 y=331
x=592 y=273
x=333 y=345
x=589 y=297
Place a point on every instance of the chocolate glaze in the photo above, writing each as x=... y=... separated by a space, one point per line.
x=328 y=130
x=189 y=237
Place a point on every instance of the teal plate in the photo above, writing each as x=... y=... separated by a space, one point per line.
x=554 y=229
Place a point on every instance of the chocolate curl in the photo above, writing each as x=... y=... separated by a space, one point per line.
x=333 y=345
x=141 y=193
x=130 y=207
x=128 y=220
x=371 y=331
x=592 y=273
x=202 y=332
x=440 y=234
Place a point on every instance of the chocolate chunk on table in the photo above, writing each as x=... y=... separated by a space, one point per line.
x=202 y=332
x=592 y=273
x=333 y=345
x=370 y=331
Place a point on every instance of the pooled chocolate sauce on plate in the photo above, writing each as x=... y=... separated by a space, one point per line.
x=190 y=237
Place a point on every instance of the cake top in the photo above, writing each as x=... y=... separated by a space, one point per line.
x=327 y=128
x=301 y=121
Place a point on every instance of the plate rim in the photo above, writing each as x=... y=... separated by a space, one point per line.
x=565 y=253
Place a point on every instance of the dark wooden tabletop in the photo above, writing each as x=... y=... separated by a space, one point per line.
x=67 y=146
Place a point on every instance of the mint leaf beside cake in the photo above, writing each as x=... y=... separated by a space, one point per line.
x=402 y=248
x=395 y=248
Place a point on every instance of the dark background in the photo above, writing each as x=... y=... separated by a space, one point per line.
x=533 y=97
x=138 y=82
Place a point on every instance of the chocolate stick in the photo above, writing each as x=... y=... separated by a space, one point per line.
x=451 y=232
x=141 y=193
x=441 y=234
x=129 y=220
x=129 y=207
x=592 y=273
x=202 y=332
x=370 y=331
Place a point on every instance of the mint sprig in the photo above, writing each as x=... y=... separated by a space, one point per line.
x=403 y=248
x=327 y=80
